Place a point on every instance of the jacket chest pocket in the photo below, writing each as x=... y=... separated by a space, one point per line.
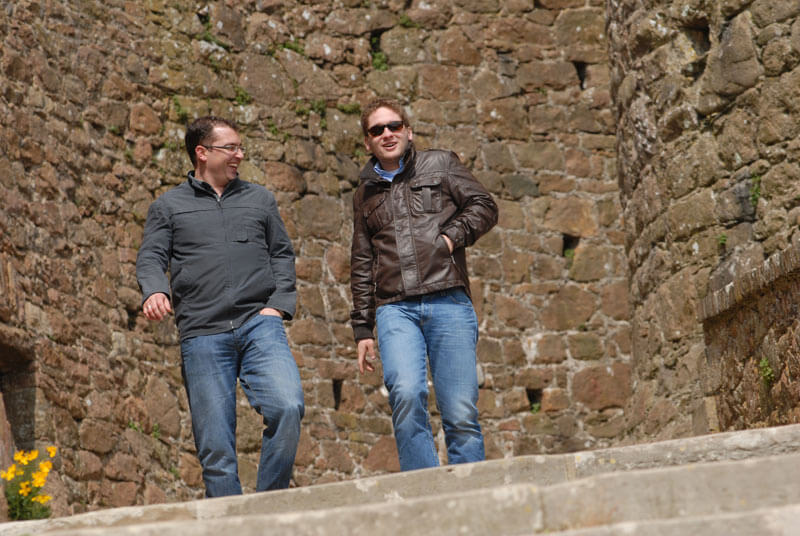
x=377 y=213
x=426 y=195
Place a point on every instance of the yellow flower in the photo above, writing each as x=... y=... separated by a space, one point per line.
x=52 y=451
x=45 y=467
x=32 y=455
x=9 y=475
x=25 y=488
x=39 y=479
x=41 y=498
x=20 y=457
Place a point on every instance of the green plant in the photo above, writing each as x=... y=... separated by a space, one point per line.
x=722 y=239
x=766 y=372
x=301 y=108
x=180 y=111
x=129 y=154
x=24 y=485
x=536 y=407
x=242 y=96
x=175 y=472
x=133 y=425
x=351 y=108
x=114 y=129
x=569 y=254
x=156 y=433
x=294 y=45
x=406 y=22
x=275 y=131
x=379 y=61
x=208 y=37
x=755 y=190
x=319 y=106
x=215 y=66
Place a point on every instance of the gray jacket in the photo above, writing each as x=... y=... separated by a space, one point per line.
x=228 y=257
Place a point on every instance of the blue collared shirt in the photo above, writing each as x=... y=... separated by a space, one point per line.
x=387 y=175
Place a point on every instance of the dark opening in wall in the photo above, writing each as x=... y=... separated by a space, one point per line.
x=534 y=397
x=699 y=37
x=204 y=15
x=568 y=245
x=701 y=42
x=337 y=393
x=580 y=68
x=18 y=389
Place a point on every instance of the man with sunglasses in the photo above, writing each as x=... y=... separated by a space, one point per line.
x=414 y=213
x=232 y=282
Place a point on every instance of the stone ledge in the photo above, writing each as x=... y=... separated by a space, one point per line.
x=781 y=264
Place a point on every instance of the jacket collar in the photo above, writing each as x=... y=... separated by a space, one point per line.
x=205 y=187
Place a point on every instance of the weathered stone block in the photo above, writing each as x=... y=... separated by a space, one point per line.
x=569 y=309
x=585 y=346
x=572 y=215
x=603 y=386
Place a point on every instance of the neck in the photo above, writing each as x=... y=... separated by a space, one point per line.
x=217 y=185
x=391 y=165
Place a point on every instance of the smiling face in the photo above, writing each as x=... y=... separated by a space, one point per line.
x=218 y=166
x=388 y=147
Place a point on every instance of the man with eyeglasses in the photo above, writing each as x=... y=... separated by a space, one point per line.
x=414 y=213
x=232 y=282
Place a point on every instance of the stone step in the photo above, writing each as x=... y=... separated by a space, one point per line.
x=546 y=470
x=778 y=521
x=645 y=497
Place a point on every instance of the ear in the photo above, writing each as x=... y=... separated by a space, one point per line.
x=366 y=145
x=200 y=153
x=410 y=134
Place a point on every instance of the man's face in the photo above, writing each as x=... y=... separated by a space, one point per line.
x=221 y=164
x=387 y=146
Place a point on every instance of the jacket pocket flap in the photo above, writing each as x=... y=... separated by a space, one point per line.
x=430 y=181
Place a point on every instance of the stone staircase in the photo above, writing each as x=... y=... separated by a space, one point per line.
x=736 y=483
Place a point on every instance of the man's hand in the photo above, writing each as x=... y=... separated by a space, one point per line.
x=269 y=311
x=449 y=242
x=366 y=353
x=156 y=306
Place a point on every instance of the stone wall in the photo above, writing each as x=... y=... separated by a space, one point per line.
x=752 y=332
x=707 y=105
x=94 y=97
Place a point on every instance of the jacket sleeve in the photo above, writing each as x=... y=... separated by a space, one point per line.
x=152 y=260
x=477 y=209
x=362 y=286
x=281 y=259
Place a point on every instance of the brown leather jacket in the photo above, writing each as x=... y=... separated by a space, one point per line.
x=398 y=250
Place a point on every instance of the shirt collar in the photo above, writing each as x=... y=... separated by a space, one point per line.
x=387 y=175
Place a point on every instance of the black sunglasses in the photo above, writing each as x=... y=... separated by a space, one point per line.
x=377 y=130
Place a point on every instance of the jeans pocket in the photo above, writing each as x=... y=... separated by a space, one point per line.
x=459 y=296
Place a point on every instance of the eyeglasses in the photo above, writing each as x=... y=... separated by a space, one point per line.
x=229 y=148
x=377 y=130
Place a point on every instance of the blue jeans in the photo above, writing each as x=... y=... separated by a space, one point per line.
x=443 y=327
x=258 y=355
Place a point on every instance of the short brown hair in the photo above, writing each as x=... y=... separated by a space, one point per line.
x=373 y=105
x=200 y=130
